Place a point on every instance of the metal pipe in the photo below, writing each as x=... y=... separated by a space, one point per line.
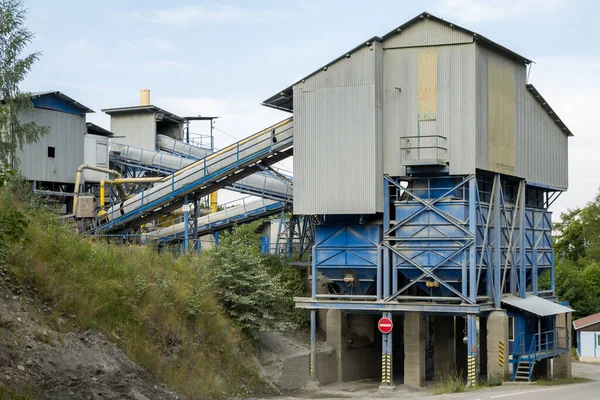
x=83 y=167
x=120 y=181
x=230 y=147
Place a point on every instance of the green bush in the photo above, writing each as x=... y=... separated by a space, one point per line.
x=255 y=290
x=159 y=308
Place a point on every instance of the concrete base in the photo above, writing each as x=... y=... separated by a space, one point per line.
x=352 y=338
x=414 y=349
x=497 y=331
x=561 y=366
x=443 y=346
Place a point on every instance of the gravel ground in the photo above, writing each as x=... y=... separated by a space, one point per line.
x=36 y=359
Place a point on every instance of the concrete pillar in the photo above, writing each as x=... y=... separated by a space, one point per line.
x=497 y=331
x=337 y=330
x=443 y=352
x=414 y=349
x=562 y=364
x=460 y=346
x=542 y=369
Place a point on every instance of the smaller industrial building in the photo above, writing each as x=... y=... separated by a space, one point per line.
x=50 y=163
x=588 y=337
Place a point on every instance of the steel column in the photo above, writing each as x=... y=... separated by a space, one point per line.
x=523 y=258
x=473 y=250
x=186 y=224
x=496 y=265
x=386 y=357
x=313 y=345
x=472 y=348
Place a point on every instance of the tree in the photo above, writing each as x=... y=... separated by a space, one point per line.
x=14 y=66
x=577 y=249
x=255 y=290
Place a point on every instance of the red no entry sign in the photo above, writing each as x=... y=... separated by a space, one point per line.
x=385 y=325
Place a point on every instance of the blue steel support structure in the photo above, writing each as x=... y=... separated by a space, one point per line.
x=448 y=245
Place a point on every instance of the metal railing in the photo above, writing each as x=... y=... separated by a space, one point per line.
x=424 y=150
x=204 y=174
x=237 y=211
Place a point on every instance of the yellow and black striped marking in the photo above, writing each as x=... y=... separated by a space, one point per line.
x=501 y=354
x=386 y=368
x=471 y=371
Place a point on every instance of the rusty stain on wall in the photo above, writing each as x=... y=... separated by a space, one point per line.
x=501 y=116
x=427 y=84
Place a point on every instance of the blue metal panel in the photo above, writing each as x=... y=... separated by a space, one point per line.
x=264 y=244
x=343 y=251
x=53 y=102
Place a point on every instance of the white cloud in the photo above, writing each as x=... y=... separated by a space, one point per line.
x=206 y=14
x=473 y=11
x=81 y=47
x=571 y=87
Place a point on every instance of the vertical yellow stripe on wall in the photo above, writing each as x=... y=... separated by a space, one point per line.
x=501 y=115
x=427 y=80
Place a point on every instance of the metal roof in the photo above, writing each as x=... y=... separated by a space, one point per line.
x=538 y=97
x=284 y=99
x=150 y=108
x=586 y=321
x=97 y=130
x=63 y=97
x=535 y=305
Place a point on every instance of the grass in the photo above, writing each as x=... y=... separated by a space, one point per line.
x=450 y=383
x=9 y=395
x=159 y=308
x=562 y=381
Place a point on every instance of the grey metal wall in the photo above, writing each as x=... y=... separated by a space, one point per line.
x=542 y=148
x=427 y=33
x=66 y=136
x=540 y=153
x=336 y=142
x=456 y=105
x=137 y=129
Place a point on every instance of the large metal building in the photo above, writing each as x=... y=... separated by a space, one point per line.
x=431 y=162
x=428 y=93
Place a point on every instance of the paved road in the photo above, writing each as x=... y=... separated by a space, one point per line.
x=584 y=391
x=368 y=390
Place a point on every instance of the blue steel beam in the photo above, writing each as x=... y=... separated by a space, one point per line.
x=381 y=306
x=495 y=286
x=426 y=272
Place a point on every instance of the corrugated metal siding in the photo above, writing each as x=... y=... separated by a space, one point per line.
x=66 y=136
x=335 y=139
x=454 y=110
x=95 y=153
x=400 y=105
x=481 y=72
x=501 y=114
x=137 y=129
x=456 y=106
x=542 y=148
x=427 y=33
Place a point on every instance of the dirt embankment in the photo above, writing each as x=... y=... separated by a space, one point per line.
x=44 y=363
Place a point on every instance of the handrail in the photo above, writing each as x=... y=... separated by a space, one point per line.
x=547 y=341
x=238 y=154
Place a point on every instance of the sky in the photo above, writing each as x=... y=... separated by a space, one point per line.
x=222 y=58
